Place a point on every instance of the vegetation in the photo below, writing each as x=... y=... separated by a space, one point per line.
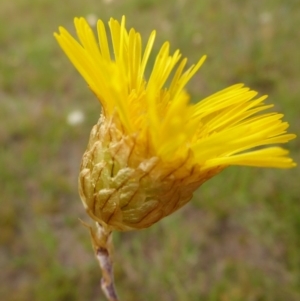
x=238 y=240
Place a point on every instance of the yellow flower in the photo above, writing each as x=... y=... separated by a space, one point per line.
x=152 y=148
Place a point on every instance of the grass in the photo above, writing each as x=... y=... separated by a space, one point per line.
x=239 y=237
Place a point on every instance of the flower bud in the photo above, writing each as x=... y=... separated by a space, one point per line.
x=124 y=186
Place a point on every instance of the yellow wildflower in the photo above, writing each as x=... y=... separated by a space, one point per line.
x=152 y=148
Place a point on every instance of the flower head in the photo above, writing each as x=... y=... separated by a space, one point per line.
x=152 y=148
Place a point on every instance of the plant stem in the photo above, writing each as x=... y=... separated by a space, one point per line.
x=103 y=246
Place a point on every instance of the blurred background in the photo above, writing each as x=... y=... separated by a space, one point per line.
x=239 y=239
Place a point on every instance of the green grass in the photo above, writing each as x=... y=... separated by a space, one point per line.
x=237 y=240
